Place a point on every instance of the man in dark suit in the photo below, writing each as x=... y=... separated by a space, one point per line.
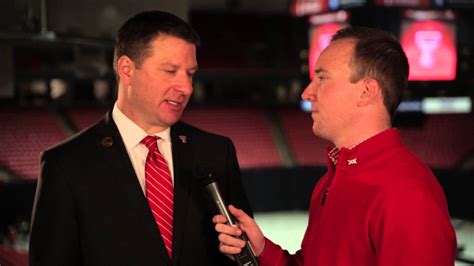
x=93 y=206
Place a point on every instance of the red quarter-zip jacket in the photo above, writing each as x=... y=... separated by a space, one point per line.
x=382 y=207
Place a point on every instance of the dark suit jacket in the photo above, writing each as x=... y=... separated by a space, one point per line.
x=90 y=209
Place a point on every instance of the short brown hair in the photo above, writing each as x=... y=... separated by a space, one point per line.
x=136 y=33
x=379 y=55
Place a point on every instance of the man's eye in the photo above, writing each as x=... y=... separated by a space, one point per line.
x=170 y=71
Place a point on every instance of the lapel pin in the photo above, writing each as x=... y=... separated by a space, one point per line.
x=107 y=142
x=183 y=138
x=352 y=161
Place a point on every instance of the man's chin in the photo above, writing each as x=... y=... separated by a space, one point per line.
x=172 y=120
x=316 y=131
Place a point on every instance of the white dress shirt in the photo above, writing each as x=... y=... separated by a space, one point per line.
x=132 y=135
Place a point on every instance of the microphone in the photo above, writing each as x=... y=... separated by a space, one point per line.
x=247 y=256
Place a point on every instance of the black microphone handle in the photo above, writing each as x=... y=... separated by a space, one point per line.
x=247 y=256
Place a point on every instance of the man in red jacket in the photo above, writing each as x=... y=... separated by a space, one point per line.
x=377 y=204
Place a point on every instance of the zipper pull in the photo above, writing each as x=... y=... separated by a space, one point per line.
x=326 y=192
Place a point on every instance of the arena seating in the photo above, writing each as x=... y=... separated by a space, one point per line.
x=442 y=141
x=83 y=117
x=306 y=148
x=248 y=128
x=25 y=133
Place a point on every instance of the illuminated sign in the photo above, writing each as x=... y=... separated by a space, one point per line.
x=430 y=48
x=308 y=7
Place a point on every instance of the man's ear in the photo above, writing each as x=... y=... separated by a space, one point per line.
x=371 y=91
x=125 y=69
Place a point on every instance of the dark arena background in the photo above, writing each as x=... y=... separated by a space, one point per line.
x=56 y=79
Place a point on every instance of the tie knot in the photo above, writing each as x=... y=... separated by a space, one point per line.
x=150 y=142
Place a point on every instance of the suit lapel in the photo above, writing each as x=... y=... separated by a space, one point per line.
x=117 y=160
x=183 y=158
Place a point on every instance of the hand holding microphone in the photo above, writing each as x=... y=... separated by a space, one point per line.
x=230 y=236
x=233 y=241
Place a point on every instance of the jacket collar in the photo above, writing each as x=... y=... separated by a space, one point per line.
x=366 y=151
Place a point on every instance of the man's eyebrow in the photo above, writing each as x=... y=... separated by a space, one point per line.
x=177 y=66
x=169 y=64
x=320 y=70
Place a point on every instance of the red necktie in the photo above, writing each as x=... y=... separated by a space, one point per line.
x=159 y=190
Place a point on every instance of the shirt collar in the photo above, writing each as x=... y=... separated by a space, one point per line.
x=367 y=148
x=131 y=133
x=334 y=152
x=333 y=155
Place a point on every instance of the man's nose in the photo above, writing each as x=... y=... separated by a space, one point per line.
x=185 y=84
x=306 y=95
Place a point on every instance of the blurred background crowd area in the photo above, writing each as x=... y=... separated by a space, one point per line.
x=255 y=59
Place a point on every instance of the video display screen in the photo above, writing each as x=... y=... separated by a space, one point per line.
x=430 y=46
